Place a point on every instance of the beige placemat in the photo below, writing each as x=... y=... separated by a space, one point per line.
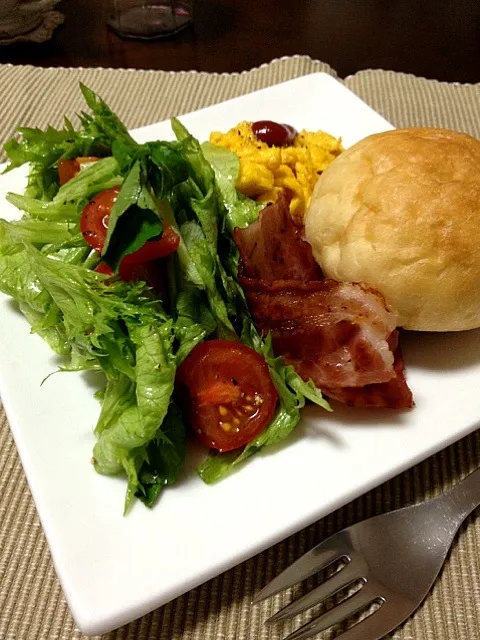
x=32 y=606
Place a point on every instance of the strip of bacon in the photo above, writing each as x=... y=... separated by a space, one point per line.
x=340 y=335
x=393 y=394
x=272 y=248
x=332 y=332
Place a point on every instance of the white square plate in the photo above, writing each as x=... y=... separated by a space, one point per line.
x=114 y=568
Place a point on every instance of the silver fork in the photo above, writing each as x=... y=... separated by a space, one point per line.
x=395 y=557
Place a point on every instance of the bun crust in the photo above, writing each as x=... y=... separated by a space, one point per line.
x=400 y=212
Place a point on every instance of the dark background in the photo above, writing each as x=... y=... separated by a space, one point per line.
x=431 y=38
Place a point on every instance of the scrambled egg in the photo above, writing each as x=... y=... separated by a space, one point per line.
x=265 y=171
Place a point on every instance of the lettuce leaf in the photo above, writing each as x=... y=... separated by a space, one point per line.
x=240 y=210
x=41 y=232
x=102 y=124
x=18 y=278
x=164 y=457
x=200 y=191
x=194 y=321
x=124 y=437
x=199 y=211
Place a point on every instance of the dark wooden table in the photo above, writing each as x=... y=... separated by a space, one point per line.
x=432 y=38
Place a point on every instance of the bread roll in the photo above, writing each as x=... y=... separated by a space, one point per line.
x=400 y=212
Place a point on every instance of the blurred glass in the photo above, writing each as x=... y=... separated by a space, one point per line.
x=147 y=20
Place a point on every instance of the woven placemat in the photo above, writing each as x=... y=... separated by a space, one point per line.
x=32 y=606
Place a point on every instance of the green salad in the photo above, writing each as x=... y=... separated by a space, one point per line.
x=72 y=293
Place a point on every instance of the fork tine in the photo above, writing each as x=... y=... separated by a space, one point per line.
x=380 y=622
x=331 y=549
x=374 y=626
x=355 y=603
x=344 y=576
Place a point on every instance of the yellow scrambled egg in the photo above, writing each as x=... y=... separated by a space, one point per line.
x=266 y=171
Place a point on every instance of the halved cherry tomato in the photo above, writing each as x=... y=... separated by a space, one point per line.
x=94 y=225
x=68 y=169
x=95 y=215
x=231 y=395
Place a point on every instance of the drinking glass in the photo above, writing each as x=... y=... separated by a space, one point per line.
x=149 y=19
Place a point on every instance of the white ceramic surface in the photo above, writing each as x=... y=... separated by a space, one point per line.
x=114 y=568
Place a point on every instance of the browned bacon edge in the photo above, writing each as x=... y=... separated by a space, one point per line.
x=340 y=335
x=334 y=333
x=273 y=248
x=393 y=394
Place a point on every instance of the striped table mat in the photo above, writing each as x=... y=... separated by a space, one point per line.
x=32 y=606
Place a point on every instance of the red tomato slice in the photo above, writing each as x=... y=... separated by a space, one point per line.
x=94 y=225
x=102 y=267
x=154 y=249
x=95 y=215
x=231 y=395
x=68 y=169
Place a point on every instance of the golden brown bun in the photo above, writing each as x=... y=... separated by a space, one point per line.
x=400 y=212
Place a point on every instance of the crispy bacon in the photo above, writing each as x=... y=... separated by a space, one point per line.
x=340 y=335
x=332 y=332
x=392 y=394
x=272 y=248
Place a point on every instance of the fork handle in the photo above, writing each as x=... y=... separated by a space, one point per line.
x=464 y=496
